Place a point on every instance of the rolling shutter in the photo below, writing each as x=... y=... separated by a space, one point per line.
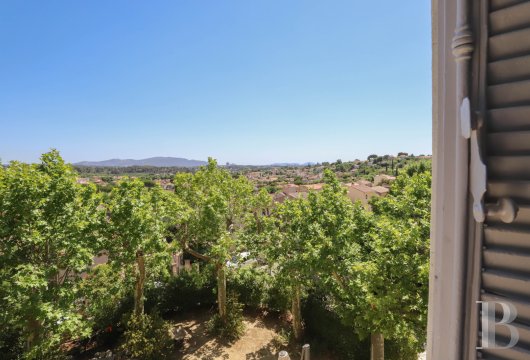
x=505 y=274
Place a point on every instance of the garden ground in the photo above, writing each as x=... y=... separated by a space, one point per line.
x=265 y=335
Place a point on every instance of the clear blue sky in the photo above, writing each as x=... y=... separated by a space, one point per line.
x=249 y=82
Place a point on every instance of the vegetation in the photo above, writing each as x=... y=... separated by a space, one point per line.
x=135 y=228
x=321 y=259
x=230 y=327
x=42 y=210
x=220 y=204
x=147 y=337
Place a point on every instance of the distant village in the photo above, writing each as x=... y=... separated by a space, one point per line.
x=362 y=179
x=362 y=191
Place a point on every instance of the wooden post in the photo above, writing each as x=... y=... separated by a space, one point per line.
x=306 y=352
x=283 y=355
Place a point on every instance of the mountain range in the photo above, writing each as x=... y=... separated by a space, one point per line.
x=160 y=161
x=154 y=161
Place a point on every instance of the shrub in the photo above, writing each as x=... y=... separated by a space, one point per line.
x=251 y=285
x=11 y=342
x=183 y=292
x=324 y=326
x=147 y=338
x=278 y=297
x=232 y=327
x=257 y=288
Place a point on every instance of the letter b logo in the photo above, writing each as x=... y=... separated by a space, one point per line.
x=489 y=323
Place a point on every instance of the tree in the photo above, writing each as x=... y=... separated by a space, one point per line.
x=136 y=228
x=219 y=206
x=384 y=291
x=306 y=237
x=48 y=235
x=288 y=248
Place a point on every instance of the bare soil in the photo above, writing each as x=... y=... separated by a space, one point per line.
x=261 y=339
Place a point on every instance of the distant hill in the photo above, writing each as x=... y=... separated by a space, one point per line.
x=154 y=161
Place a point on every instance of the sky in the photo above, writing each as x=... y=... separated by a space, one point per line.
x=246 y=82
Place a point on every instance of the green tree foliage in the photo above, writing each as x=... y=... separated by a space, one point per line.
x=310 y=238
x=369 y=268
x=136 y=228
x=384 y=291
x=289 y=249
x=48 y=234
x=220 y=205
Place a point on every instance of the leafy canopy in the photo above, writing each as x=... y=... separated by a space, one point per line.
x=48 y=234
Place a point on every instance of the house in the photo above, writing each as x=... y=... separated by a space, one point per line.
x=292 y=188
x=364 y=183
x=380 y=190
x=361 y=192
x=297 y=195
x=314 y=187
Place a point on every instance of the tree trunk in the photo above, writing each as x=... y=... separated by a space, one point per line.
x=296 y=312
x=377 y=350
x=221 y=291
x=33 y=333
x=140 y=281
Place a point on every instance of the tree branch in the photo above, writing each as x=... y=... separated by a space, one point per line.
x=197 y=254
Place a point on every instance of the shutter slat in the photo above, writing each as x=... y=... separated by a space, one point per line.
x=516 y=190
x=505 y=273
x=511 y=44
x=509 y=167
x=501 y=4
x=522 y=307
x=516 y=353
x=507 y=237
x=504 y=260
x=510 y=18
x=509 y=143
x=509 y=94
x=506 y=284
x=523 y=330
x=509 y=119
x=507 y=70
